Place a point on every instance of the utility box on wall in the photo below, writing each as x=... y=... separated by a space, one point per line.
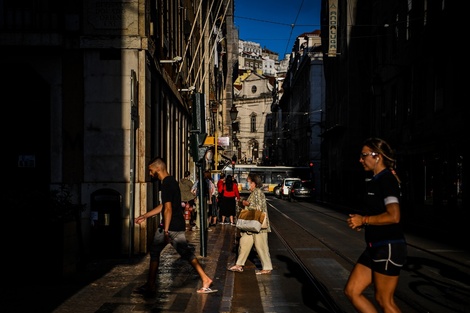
x=106 y=206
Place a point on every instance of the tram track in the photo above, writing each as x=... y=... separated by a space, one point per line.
x=328 y=301
x=308 y=206
x=304 y=246
x=440 y=255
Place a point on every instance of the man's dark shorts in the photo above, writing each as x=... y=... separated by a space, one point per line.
x=178 y=241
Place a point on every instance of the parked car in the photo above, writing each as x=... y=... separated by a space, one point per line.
x=302 y=190
x=285 y=186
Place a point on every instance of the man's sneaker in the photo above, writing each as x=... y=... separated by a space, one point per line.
x=150 y=294
x=140 y=289
x=146 y=291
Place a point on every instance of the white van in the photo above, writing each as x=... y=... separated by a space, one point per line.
x=285 y=186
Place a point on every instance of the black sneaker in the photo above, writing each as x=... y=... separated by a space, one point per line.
x=146 y=291
x=150 y=294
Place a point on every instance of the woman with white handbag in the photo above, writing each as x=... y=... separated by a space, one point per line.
x=255 y=201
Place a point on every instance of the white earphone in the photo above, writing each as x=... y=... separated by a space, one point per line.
x=377 y=160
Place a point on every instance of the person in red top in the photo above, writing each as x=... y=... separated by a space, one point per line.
x=220 y=183
x=230 y=198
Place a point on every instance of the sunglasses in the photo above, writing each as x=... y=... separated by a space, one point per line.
x=364 y=155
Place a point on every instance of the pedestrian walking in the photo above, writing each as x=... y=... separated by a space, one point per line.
x=171 y=230
x=386 y=251
x=211 y=199
x=220 y=194
x=188 y=197
x=229 y=202
x=256 y=201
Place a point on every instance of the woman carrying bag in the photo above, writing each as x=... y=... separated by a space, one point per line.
x=256 y=201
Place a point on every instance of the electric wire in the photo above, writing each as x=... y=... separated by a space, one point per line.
x=293 y=26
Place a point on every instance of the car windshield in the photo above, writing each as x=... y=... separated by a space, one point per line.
x=297 y=184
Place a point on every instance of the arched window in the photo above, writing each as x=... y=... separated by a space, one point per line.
x=253 y=122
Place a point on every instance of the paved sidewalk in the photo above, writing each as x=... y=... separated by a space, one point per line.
x=107 y=285
x=177 y=282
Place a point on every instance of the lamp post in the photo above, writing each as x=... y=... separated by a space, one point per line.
x=236 y=142
x=234 y=162
x=233 y=117
x=215 y=111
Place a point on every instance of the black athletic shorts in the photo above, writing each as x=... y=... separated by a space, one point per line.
x=387 y=259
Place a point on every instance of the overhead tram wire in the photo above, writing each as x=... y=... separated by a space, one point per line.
x=293 y=26
x=262 y=21
x=277 y=23
x=271 y=22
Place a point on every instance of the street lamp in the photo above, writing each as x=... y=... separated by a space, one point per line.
x=233 y=113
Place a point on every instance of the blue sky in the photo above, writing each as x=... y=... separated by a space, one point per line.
x=269 y=22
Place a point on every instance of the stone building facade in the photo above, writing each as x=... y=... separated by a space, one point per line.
x=99 y=88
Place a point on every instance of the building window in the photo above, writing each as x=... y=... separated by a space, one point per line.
x=269 y=123
x=253 y=123
x=254 y=89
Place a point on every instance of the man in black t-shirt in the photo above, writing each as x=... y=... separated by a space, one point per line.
x=171 y=230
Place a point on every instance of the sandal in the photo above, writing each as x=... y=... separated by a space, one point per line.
x=206 y=290
x=236 y=268
x=263 y=272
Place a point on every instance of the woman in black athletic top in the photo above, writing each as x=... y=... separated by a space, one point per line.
x=386 y=251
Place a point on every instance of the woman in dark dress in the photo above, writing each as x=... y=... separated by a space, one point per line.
x=229 y=202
